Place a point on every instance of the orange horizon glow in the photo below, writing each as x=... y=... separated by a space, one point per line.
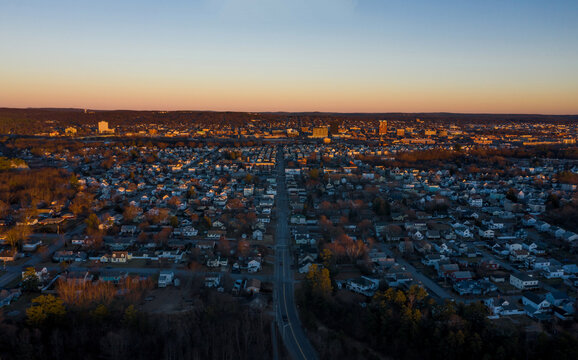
x=288 y=97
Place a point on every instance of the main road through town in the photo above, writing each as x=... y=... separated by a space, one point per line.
x=284 y=297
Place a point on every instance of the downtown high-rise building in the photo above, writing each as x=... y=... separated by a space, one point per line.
x=103 y=127
x=382 y=127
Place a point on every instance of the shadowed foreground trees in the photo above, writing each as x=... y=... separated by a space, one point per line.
x=400 y=324
x=45 y=310
x=217 y=328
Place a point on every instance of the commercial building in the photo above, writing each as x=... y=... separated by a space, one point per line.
x=320 y=132
x=103 y=127
x=382 y=127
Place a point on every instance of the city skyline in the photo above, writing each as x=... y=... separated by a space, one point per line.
x=330 y=56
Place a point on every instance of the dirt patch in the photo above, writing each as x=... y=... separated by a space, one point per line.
x=166 y=300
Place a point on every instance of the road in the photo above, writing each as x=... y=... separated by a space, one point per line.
x=284 y=296
x=431 y=285
x=57 y=242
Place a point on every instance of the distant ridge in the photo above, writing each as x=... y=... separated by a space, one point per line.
x=303 y=113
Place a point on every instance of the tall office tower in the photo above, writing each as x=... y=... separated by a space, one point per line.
x=103 y=127
x=382 y=127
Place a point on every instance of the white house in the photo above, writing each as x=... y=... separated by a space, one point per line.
x=519 y=255
x=463 y=231
x=535 y=304
x=257 y=235
x=212 y=281
x=523 y=281
x=476 y=201
x=553 y=272
x=417 y=235
x=31 y=245
x=432 y=259
x=166 y=278
x=79 y=242
x=363 y=285
x=514 y=246
x=253 y=266
x=541 y=263
x=502 y=307
x=528 y=220
x=486 y=233
x=304 y=266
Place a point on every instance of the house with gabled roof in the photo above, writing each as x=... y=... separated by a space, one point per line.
x=535 y=305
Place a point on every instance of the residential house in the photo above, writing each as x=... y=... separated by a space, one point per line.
x=253 y=286
x=120 y=257
x=257 y=235
x=68 y=256
x=556 y=297
x=458 y=276
x=445 y=270
x=31 y=245
x=394 y=233
x=502 y=306
x=523 y=281
x=305 y=262
x=463 y=231
x=519 y=255
x=80 y=242
x=540 y=263
x=212 y=281
x=566 y=310
x=489 y=265
x=253 y=266
x=114 y=277
x=7 y=296
x=535 y=305
x=476 y=201
x=432 y=259
x=363 y=285
x=486 y=233
x=166 y=278
x=8 y=255
x=128 y=230
x=553 y=272
x=422 y=246
x=42 y=273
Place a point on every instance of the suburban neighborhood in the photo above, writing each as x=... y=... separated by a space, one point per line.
x=164 y=215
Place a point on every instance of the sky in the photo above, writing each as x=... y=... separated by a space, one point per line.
x=473 y=56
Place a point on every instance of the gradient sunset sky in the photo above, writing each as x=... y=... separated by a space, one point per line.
x=499 y=56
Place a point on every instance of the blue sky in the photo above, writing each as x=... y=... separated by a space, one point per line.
x=266 y=55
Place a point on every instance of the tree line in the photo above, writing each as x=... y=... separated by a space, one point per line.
x=217 y=327
x=407 y=324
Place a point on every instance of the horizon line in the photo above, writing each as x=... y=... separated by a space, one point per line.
x=287 y=112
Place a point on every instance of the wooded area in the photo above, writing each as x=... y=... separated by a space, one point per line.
x=409 y=325
x=217 y=328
